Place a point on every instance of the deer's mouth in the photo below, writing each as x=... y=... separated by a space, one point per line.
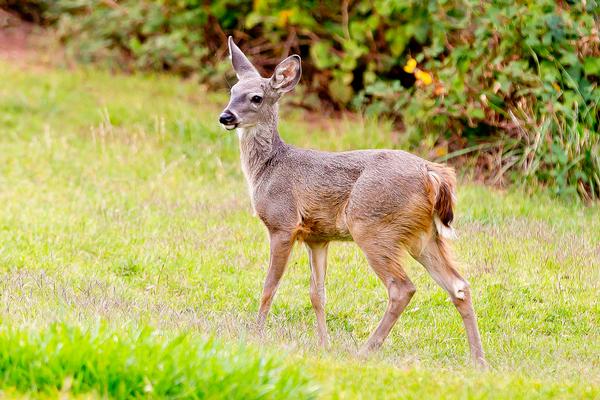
x=230 y=127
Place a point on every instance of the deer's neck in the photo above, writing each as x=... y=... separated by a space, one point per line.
x=259 y=147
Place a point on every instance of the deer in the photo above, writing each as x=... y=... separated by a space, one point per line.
x=389 y=202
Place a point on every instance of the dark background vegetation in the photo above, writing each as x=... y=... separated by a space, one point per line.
x=512 y=85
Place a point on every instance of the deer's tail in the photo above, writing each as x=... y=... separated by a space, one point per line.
x=443 y=186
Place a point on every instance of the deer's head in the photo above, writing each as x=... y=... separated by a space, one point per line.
x=254 y=98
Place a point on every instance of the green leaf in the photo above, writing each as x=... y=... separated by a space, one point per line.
x=591 y=66
x=340 y=88
x=322 y=55
x=476 y=113
x=549 y=72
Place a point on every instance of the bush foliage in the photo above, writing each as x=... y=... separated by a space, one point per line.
x=513 y=82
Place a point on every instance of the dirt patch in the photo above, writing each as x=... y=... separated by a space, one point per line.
x=26 y=44
x=15 y=37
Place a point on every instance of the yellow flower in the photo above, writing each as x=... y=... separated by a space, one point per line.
x=555 y=86
x=424 y=77
x=440 y=150
x=283 y=17
x=410 y=66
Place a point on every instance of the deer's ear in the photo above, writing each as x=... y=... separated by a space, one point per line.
x=287 y=74
x=241 y=65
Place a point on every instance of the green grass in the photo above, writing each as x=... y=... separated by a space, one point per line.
x=124 y=211
x=145 y=363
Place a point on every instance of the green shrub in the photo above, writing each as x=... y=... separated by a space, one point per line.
x=141 y=364
x=512 y=82
x=520 y=79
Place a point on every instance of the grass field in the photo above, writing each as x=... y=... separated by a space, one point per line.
x=130 y=264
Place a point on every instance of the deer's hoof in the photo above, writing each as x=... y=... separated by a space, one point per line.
x=481 y=364
x=324 y=344
x=365 y=351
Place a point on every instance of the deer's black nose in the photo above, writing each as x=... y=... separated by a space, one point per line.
x=227 y=118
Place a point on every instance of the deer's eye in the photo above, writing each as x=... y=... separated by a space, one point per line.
x=256 y=99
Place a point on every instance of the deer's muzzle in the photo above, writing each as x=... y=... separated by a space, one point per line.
x=228 y=120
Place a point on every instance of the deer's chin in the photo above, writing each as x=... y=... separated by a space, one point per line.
x=230 y=127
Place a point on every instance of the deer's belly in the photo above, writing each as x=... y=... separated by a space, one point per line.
x=324 y=227
x=328 y=237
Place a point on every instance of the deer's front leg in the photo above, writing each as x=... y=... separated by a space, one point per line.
x=281 y=246
x=317 y=253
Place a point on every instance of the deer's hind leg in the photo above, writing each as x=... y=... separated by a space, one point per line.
x=436 y=258
x=384 y=256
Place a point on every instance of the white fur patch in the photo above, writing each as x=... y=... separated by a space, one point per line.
x=436 y=181
x=242 y=134
x=459 y=290
x=454 y=285
x=444 y=231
